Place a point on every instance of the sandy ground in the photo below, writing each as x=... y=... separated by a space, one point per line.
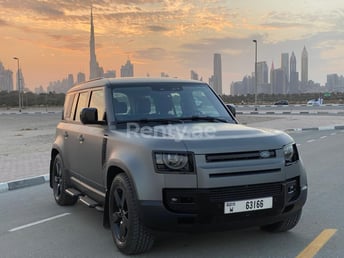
x=26 y=133
x=26 y=139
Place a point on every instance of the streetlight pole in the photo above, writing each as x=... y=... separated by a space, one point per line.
x=19 y=93
x=256 y=76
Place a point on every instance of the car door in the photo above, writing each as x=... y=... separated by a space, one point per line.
x=92 y=143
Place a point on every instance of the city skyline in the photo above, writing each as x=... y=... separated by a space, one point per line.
x=51 y=37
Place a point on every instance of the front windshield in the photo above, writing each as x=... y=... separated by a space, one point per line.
x=148 y=102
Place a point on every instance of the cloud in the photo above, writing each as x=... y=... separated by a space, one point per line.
x=156 y=28
x=3 y=23
x=282 y=25
x=151 y=54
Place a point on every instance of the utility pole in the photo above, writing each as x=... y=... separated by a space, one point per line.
x=19 y=88
x=256 y=76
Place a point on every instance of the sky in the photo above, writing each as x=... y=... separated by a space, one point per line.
x=51 y=37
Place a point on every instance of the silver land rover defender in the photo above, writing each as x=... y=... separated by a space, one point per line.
x=167 y=154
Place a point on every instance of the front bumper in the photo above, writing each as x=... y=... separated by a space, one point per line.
x=203 y=209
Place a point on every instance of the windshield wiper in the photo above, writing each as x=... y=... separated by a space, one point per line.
x=204 y=118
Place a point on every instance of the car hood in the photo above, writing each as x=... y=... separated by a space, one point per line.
x=202 y=138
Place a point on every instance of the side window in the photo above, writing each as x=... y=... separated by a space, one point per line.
x=67 y=109
x=97 y=101
x=82 y=103
x=75 y=102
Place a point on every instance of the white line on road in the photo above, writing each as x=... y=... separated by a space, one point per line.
x=323 y=137
x=38 y=222
x=312 y=140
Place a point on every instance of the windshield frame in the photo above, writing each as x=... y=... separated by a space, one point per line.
x=180 y=94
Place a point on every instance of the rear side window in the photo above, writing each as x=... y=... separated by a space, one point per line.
x=67 y=113
x=82 y=103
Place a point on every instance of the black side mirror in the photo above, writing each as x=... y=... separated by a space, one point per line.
x=232 y=109
x=89 y=116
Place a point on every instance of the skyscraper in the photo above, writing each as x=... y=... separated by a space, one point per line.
x=294 y=75
x=127 y=70
x=304 y=66
x=95 y=70
x=285 y=64
x=217 y=81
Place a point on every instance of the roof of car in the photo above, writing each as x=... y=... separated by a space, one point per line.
x=128 y=81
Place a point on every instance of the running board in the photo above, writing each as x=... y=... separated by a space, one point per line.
x=88 y=201
x=84 y=199
x=73 y=192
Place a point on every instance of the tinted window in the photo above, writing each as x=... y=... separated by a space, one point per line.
x=97 y=101
x=166 y=101
x=82 y=103
x=67 y=114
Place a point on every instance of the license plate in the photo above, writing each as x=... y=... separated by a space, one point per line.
x=248 y=205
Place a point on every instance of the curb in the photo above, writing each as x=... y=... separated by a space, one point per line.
x=21 y=183
x=320 y=113
x=37 y=180
x=321 y=128
x=31 y=113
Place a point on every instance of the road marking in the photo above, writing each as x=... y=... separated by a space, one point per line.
x=312 y=140
x=333 y=134
x=313 y=248
x=38 y=222
x=323 y=137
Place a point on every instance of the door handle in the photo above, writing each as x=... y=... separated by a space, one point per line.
x=81 y=138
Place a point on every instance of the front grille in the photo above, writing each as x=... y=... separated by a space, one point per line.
x=236 y=193
x=218 y=157
x=212 y=200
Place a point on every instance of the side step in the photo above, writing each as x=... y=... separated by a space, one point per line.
x=84 y=199
x=88 y=201
x=73 y=192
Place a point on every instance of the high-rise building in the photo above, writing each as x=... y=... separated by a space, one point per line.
x=81 y=77
x=285 y=64
x=193 y=75
x=304 y=66
x=127 y=70
x=263 y=78
x=294 y=75
x=217 y=80
x=272 y=75
x=279 y=81
x=95 y=70
x=6 y=79
x=262 y=73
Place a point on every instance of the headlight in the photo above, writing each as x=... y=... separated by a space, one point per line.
x=180 y=162
x=290 y=153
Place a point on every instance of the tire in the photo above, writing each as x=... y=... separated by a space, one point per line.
x=129 y=234
x=59 y=183
x=285 y=225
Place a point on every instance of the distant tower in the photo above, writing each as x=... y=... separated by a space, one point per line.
x=304 y=66
x=285 y=64
x=95 y=70
x=217 y=83
x=294 y=75
x=127 y=70
x=272 y=73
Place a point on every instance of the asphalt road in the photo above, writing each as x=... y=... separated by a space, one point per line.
x=32 y=225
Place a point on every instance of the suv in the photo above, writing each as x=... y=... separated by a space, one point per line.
x=167 y=154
